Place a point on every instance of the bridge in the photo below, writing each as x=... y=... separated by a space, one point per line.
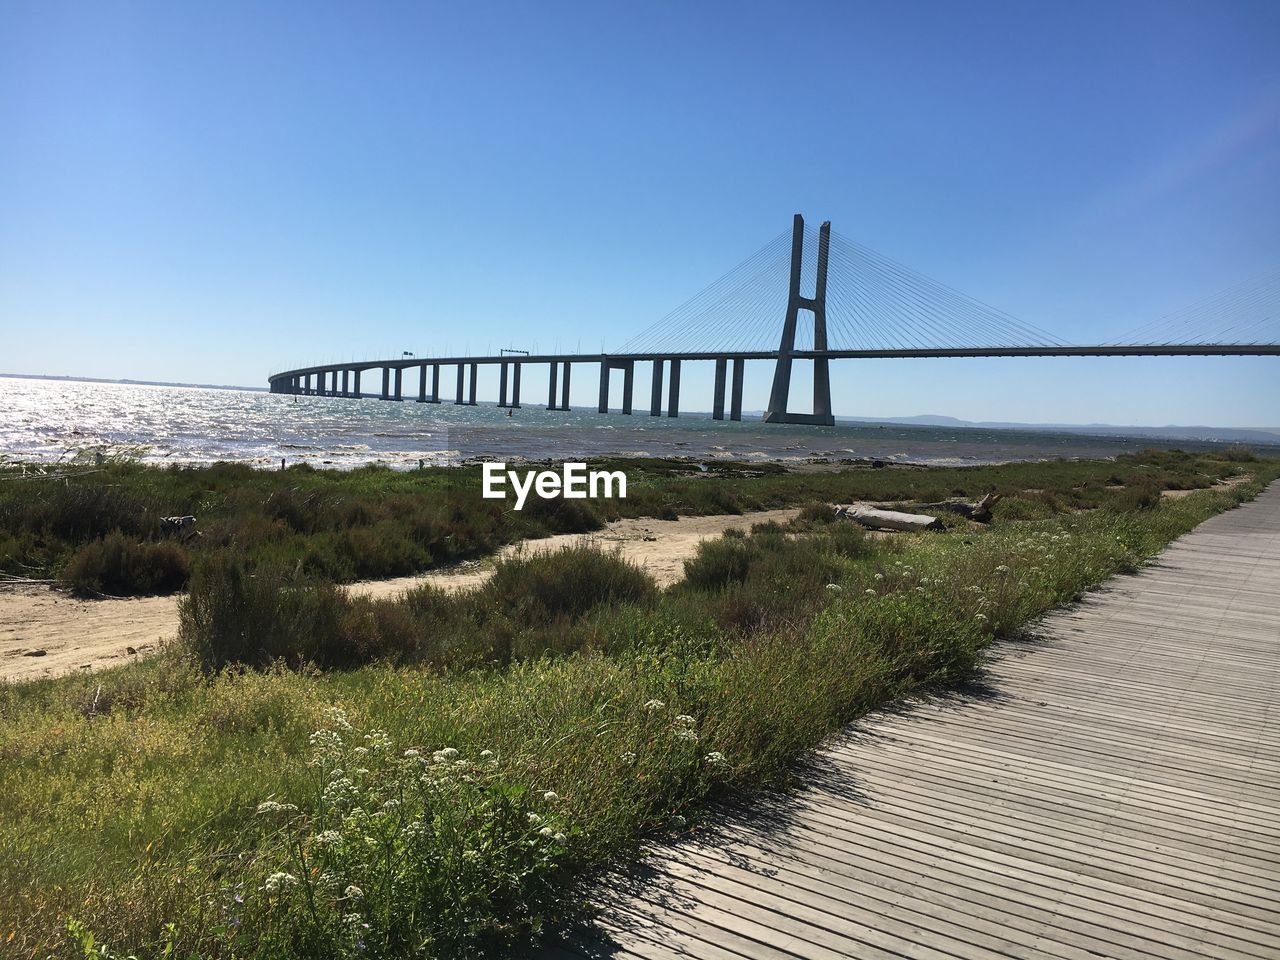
x=868 y=307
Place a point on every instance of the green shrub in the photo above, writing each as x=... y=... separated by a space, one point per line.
x=816 y=514
x=1141 y=495
x=559 y=515
x=537 y=589
x=119 y=566
x=233 y=614
x=722 y=561
x=1238 y=453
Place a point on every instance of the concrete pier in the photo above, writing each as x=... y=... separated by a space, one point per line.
x=515 y=385
x=564 y=387
x=552 y=370
x=386 y=383
x=358 y=372
x=655 y=390
x=502 y=385
x=735 y=402
x=458 y=401
x=399 y=383
x=628 y=368
x=471 y=402
x=717 y=401
x=673 y=392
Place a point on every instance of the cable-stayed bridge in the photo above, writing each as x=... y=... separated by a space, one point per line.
x=843 y=301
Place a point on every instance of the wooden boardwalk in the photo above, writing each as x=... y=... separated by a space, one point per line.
x=1110 y=791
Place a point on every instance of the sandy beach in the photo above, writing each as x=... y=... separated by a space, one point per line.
x=45 y=632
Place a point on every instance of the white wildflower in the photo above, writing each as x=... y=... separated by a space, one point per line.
x=834 y=587
x=279 y=881
x=486 y=754
x=271 y=806
x=353 y=892
x=551 y=796
x=654 y=705
x=412 y=753
x=684 y=720
x=628 y=757
x=327 y=838
x=546 y=832
x=559 y=838
x=533 y=818
x=716 y=758
x=879 y=576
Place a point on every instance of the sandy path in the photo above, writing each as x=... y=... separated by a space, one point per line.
x=46 y=633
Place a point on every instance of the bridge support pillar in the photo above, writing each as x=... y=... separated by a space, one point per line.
x=603 y=406
x=717 y=400
x=471 y=401
x=628 y=383
x=502 y=384
x=422 y=384
x=399 y=383
x=386 y=383
x=552 y=371
x=564 y=387
x=346 y=383
x=435 y=384
x=357 y=384
x=673 y=392
x=655 y=390
x=515 y=385
x=460 y=383
x=781 y=392
x=735 y=401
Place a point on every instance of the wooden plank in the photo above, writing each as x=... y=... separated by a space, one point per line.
x=1118 y=796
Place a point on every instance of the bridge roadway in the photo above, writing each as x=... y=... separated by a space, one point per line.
x=344 y=379
x=1110 y=789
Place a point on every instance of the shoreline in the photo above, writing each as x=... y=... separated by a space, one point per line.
x=84 y=636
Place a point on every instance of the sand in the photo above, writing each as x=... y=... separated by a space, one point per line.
x=46 y=633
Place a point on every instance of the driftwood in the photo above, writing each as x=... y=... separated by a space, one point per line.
x=877 y=519
x=980 y=511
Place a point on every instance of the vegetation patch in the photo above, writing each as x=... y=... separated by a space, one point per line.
x=375 y=523
x=442 y=775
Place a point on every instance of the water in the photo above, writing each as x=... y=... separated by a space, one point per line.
x=44 y=421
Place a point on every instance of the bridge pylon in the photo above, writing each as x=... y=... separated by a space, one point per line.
x=817 y=305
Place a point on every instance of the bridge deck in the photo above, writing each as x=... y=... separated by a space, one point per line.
x=1111 y=792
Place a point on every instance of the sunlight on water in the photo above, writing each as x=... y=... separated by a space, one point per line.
x=44 y=420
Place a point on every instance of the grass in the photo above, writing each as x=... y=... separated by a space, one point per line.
x=375 y=523
x=454 y=793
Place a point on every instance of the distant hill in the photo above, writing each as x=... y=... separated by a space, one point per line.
x=1172 y=432
x=137 y=383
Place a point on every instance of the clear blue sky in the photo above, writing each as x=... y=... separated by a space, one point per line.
x=212 y=191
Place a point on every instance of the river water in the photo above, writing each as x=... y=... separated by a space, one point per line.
x=47 y=420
